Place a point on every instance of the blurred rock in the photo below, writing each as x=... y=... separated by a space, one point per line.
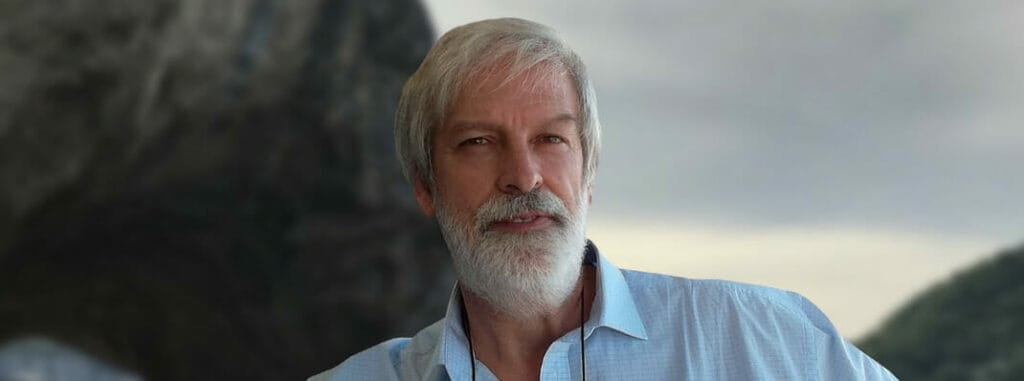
x=204 y=189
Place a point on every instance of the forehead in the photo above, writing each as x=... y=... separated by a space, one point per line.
x=541 y=89
x=503 y=75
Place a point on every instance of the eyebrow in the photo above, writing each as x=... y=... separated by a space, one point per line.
x=462 y=126
x=562 y=118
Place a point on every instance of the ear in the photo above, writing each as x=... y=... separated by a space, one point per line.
x=424 y=197
x=590 y=194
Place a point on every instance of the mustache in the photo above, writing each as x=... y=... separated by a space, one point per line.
x=504 y=206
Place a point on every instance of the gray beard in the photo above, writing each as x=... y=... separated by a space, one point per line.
x=518 y=274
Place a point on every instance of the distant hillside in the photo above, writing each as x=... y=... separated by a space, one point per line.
x=970 y=327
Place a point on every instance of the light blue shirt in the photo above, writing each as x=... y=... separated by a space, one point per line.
x=647 y=326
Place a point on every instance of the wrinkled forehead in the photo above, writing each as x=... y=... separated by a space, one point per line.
x=537 y=77
x=544 y=80
x=539 y=95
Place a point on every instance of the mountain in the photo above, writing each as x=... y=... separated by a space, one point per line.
x=970 y=327
x=207 y=189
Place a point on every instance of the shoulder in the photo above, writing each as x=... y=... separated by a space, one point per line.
x=744 y=303
x=645 y=282
x=781 y=330
x=393 y=359
x=379 y=361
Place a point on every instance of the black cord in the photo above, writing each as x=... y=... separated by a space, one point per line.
x=472 y=356
x=583 y=348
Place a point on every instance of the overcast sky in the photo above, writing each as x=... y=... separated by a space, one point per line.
x=855 y=151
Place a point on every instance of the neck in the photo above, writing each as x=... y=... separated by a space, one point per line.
x=513 y=348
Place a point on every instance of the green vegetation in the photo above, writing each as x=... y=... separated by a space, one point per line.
x=970 y=327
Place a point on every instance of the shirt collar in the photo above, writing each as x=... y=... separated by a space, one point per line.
x=452 y=351
x=613 y=303
x=613 y=308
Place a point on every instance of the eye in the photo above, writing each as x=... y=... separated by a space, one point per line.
x=553 y=139
x=473 y=141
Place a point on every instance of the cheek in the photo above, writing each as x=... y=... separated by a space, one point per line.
x=564 y=176
x=564 y=166
x=464 y=190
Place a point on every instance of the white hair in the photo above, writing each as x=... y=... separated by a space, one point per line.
x=514 y=45
x=520 y=275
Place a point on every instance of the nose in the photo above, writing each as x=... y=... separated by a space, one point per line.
x=520 y=172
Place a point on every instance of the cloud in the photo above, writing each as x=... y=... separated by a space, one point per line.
x=807 y=113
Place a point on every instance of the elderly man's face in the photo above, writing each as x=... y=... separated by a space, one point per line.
x=509 y=138
x=509 y=190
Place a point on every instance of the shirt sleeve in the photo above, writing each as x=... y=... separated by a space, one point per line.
x=838 y=359
x=380 y=362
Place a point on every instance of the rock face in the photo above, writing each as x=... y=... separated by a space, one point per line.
x=968 y=328
x=206 y=189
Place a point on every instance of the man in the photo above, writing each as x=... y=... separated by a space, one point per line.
x=498 y=133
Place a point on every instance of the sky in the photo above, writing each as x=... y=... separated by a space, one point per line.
x=853 y=151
